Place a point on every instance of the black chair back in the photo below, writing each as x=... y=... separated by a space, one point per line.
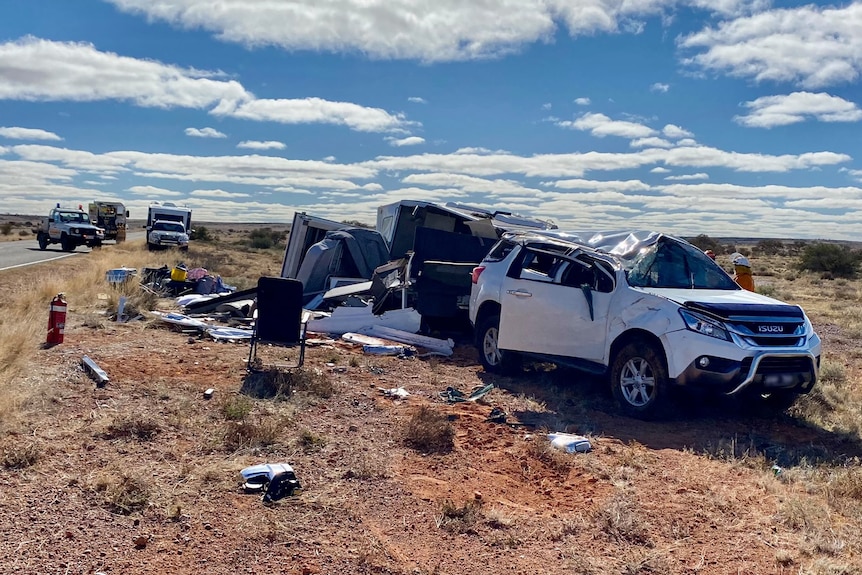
x=279 y=310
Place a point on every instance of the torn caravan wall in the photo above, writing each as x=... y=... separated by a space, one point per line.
x=349 y=255
x=305 y=231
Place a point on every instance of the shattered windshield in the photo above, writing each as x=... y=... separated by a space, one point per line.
x=672 y=264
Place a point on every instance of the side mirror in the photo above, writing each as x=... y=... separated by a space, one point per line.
x=127 y=213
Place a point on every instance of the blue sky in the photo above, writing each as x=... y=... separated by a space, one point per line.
x=724 y=117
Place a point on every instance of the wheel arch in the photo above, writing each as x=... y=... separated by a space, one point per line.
x=639 y=335
x=487 y=308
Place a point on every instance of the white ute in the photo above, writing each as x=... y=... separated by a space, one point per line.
x=648 y=310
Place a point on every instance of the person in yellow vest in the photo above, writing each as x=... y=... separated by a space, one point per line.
x=742 y=271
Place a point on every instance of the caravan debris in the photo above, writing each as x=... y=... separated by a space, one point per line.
x=95 y=372
x=453 y=395
x=570 y=443
x=356 y=319
x=275 y=480
x=435 y=346
x=395 y=392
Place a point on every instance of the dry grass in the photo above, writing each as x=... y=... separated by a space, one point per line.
x=430 y=431
x=124 y=493
x=459 y=518
x=261 y=431
x=19 y=454
x=620 y=519
x=134 y=426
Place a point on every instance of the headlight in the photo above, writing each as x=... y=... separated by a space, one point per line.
x=74 y=231
x=704 y=325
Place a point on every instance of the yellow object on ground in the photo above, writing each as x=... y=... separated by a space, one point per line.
x=179 y=274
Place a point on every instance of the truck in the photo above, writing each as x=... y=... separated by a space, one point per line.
x=164 y=220
x=111 y=217
x=69 y=227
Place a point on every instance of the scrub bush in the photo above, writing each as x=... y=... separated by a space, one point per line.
x=834 y=259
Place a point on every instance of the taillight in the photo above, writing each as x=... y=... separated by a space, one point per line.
x=477 y=271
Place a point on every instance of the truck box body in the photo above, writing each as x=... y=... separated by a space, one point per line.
x=111 y=217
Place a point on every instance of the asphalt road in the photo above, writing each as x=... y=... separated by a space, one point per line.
x=27 y=252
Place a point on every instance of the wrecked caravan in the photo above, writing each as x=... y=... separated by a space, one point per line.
x=649 y=310
x=431 y=250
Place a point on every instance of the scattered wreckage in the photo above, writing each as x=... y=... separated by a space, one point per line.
x=419 y=257
x=647 y=309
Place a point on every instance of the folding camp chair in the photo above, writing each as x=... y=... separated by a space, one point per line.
x=279 y=318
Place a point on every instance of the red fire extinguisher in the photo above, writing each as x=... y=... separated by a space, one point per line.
x=56 y=320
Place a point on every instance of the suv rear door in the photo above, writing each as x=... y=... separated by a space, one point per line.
x=556 y=304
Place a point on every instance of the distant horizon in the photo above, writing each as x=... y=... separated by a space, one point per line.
x=683 y=116
x=744 y=240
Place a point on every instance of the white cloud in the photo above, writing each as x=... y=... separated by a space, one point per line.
x=417 y=100
x=431 y=31
x=771 y=111
x=685 y=177
x=329 y=159
x=600 y=126
x=256 y=145
x=659 y=170
x=486 y=163
x=547 y=106
x=813 y=46
x=582 y=101
x=217 y=194
x=204 y=133
x=675 y=132
x=152 y=191
x=408 y=141
x=315 y=110
x=651 y=142
x=616 y=185
x=41 y=70
x=498 y=187
x=659 y=87
x=28 y=134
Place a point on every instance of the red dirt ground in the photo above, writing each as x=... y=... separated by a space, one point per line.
x=652 y=497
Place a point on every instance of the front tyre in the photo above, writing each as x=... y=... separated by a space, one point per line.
x=67 y=244
x=43 y=241
x=639 y=380
x=494 y=359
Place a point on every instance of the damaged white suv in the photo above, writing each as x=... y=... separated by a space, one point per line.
x=649 y=310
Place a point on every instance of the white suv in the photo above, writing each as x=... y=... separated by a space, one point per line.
x=167 y=234
x=647 y=309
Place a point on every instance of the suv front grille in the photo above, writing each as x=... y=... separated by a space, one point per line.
x=771 y=332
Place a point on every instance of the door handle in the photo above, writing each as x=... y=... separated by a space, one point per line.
x=519 y=293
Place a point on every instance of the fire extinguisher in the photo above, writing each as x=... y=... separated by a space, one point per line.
x=56 y=320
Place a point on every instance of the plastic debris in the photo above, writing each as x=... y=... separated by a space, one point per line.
x=274 y=480
x=453 y=395
x=570 y=443
x=395 y=392
x=497 y=415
